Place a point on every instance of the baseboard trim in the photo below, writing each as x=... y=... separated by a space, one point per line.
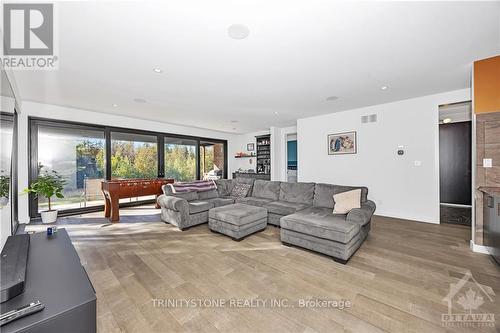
x=479 y=248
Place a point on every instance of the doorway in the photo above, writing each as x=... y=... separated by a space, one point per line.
x=291 y=151
x=455 y=163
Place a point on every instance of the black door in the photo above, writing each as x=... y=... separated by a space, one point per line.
x=455 y=151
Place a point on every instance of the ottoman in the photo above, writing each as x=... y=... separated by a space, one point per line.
x=238 y=220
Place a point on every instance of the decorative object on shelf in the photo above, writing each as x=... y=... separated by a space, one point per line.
x=47 y=185
x=243 y=155
x=250 y=146
x=264 y=154
x=342 y=143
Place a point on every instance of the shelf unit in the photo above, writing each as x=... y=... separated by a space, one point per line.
x=263 y=154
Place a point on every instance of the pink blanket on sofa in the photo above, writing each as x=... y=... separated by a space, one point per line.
x=198 y=186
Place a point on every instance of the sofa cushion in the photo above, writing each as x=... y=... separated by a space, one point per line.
x=210 y=194
x=224 y=186
x=332 y=227
x=266 y=189
x=240 y=190
x=218 y=202
x=346 y=201
x=198 y=206
x=323 y=194
x=248 y=181
x=284 y=208
x=253 y=201
x=297 y=192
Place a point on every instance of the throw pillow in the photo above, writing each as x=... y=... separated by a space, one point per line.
x=345 y=201
x=240 y=190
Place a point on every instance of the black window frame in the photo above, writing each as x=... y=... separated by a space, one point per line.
x=33 y=123
x=14 y=190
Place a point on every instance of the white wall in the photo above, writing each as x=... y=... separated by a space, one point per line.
x=79 y=115
x=399 y=188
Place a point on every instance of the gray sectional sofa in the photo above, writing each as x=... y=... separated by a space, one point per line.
x=304 y=211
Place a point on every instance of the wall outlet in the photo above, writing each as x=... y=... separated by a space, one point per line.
x=487 y=163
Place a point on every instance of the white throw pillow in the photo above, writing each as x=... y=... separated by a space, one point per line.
x=345 y=201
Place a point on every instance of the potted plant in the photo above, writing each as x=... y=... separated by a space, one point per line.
x=4 y=189
x=48 y=184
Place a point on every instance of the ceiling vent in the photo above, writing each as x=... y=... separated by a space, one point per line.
x=371 y=118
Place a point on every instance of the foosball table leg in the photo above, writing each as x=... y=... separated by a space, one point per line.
x=115 y=210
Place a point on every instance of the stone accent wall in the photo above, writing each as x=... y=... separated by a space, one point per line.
x=487 y=146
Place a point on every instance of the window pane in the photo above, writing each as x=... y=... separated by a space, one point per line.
x=78 y=156
x=6 y=137
x=211 y=160
x=133 y=156
x=180 y=159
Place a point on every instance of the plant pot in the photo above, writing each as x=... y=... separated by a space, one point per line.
x=49 y=216
x=4 y=201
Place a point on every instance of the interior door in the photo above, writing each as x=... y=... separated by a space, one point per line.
x=455 y=151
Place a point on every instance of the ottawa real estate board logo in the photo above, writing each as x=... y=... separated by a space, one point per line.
x=29 y=36
x=465 y=300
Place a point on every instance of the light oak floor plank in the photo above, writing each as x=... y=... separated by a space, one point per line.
x=395 y=282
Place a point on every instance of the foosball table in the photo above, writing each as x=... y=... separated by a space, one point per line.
x=114 y=190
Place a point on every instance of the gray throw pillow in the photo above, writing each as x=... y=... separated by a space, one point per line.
x=240 y=190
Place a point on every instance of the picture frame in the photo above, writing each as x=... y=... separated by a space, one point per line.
x=250 y=146
x=344 y=143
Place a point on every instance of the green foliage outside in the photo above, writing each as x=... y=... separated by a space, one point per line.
x=180 y=162
x=129 y=160
x=4 y=184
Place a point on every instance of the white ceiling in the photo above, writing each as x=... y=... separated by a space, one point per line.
x=298 y=53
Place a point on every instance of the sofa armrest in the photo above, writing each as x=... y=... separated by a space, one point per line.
x=173 y=203
x=362 y=215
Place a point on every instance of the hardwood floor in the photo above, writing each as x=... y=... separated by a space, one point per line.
x=396 y=281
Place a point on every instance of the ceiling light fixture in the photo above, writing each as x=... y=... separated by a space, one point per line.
x=139 y=100
x=157 y=70
x=238 y=31
x=332 y=98
x=384 y=87
x=114 y=105
x=446 y=120
x=276 y=112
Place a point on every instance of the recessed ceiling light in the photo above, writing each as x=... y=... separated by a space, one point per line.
x=238 y=31
x=114 y=105
x=276 y=112
x=332 y=98
x=384 y=87
x=446 y=120
x=157 y=70
x=139 y=100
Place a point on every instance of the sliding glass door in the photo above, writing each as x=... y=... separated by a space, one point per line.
x=78 y=154
x=213 y=160
x=180 y=159
x=86 y=154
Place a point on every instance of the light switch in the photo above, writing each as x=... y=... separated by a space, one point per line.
x=487 y=163
x=417 y=163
